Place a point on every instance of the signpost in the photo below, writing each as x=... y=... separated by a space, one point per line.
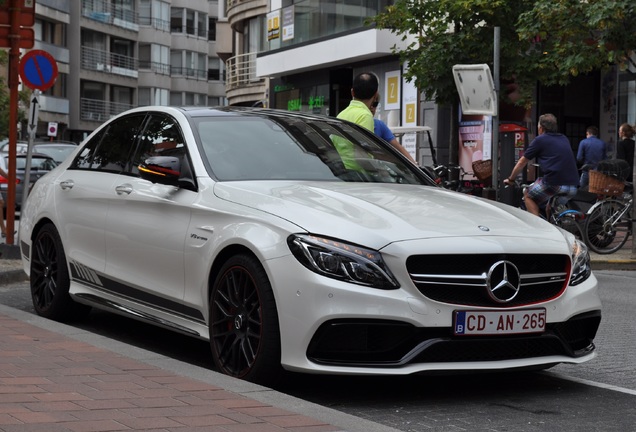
x=38 y=70
x=16 y=16
x=26 y=37
x=24 y=20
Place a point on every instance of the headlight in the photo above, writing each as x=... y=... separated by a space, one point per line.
x=581 y=268
x=343 y=261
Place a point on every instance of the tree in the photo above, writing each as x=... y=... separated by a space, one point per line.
x=547 y=41
x=573 y=37
x=23 y=97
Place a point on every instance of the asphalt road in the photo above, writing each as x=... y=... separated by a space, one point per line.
x=597 y=396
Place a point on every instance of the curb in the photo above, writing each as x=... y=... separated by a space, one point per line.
x=616 y=264
x=9 y=251
x=12 y=276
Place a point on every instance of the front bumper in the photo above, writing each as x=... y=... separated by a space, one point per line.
x=328 y=326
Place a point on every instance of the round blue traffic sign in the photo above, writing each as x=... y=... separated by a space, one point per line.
x=38 y=70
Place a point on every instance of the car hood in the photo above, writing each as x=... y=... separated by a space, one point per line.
x=375 y=214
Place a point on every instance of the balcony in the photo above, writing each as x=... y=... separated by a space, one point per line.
x=107 y=62
x=158 y=68
x=106 y=12
x=238 y=11
x=98 y=110
x=242 y=85
x=185 y=72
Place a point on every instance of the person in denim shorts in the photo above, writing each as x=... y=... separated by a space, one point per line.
x=554 y=155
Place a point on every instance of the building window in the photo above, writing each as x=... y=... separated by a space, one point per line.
x=143 y=96
x=214 y=101
x=214 y=69
x=152 y=96
x=202 y=21
x=50 y=32
x=176 y=20
x=190 y=27
x=155 y=58
x=155 y=13
x=212 y=28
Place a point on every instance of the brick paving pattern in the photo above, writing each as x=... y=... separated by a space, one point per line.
x=52 y=383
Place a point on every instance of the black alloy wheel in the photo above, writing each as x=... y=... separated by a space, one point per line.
x=50 y=280
x=244 y=331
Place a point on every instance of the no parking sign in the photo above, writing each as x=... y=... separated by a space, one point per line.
x=38 y=70
x=52 y=130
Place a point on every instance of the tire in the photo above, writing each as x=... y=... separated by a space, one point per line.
x=603 y=234
x=243 y=323
x=49 y=279
x=569 y=221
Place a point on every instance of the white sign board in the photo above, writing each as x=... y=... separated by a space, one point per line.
x=476 y=89
x=52 y=129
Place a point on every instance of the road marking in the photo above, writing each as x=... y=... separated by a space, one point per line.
x=592 y=383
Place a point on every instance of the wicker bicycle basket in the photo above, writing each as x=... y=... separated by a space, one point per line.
x=605 y=185
x=483 y=169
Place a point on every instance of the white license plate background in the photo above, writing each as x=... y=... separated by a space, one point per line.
x=499 y=322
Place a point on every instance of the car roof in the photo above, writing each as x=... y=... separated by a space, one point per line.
x=55 y=142
x=24 y=155
x=198 y=111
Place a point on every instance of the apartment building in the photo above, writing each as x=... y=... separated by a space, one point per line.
x=113 y=55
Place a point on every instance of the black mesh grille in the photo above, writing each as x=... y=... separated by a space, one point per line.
x=393 y=344
x=460 y=279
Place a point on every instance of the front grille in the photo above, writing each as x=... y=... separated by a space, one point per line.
x=463 y=279
x=379 y=343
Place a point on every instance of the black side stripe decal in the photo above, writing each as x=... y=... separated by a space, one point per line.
x=94 y=279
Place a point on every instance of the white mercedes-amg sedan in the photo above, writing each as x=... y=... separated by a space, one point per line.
x=303 y=243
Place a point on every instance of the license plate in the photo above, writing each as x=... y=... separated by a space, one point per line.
x=499 y=322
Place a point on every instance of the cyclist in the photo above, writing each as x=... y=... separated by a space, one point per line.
x=554 y=155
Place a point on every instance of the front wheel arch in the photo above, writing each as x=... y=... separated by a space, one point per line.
x=243 y=319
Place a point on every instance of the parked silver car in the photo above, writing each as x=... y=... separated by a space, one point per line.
x=57 y=150
x=41 y=164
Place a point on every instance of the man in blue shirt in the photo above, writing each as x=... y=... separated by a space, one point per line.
x=591 y=151
x=553 y=153
x=383 y=131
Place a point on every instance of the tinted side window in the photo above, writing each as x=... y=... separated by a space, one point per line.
x=161 y=137
x=110 y=149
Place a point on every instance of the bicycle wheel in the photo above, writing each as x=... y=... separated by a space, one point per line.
x=606 y=231
x=569 y=221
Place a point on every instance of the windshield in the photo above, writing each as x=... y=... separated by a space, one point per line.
x=264 y=148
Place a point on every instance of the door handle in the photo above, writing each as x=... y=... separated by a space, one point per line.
x=123 y=189
x=67 y=184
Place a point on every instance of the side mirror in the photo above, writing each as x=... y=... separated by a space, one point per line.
x=161 y=169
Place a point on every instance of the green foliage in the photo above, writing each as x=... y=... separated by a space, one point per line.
x=23 y=97
x=4 y=96
x=540 y=40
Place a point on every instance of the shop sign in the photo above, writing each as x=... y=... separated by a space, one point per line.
x=288 y=23
x=273 y=25
x=315 y=102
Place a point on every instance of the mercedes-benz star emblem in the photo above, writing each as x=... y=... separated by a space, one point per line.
x=503 y=281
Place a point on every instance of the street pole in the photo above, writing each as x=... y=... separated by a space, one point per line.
x=495 y=118
x=14 y=63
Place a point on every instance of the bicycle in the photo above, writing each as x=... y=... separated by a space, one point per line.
x=609 y=223
x=453 y=177
x=558 y=212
